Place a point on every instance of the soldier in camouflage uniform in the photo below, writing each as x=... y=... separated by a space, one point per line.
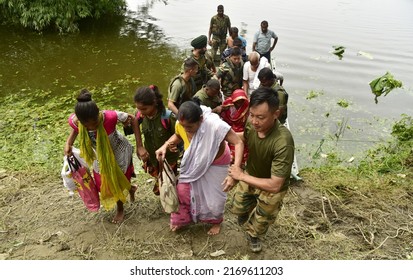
x=205 y=70
x=210 y=96
x=262 y=187
x=268 y=79
x=230 y=72
x=219 y=28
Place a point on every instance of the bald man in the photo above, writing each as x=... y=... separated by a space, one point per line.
x=251 y=69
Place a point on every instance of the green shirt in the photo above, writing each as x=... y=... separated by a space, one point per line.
x=180 y=91
x=211 y=102
x=283 y=98
x=155 y=135
x=272 y=155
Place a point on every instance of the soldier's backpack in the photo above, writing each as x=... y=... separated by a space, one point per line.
x=183 y=84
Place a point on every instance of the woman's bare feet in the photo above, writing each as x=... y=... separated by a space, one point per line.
x=215 y=229
x=132 y=191
x=120 y=214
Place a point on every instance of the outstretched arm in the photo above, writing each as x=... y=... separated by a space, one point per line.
x=229 y=182
x=210 y=32
x=69 y=143
x=245 y=86
x=233 y=139
x=171 y=144
x=274 y=43
x=141 y=152
x=272 y=185
x=172 y=107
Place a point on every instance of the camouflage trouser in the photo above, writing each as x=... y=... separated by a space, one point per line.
x=218 y=42
x=261 y=206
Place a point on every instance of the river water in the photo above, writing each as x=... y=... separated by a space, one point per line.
x=151 y=42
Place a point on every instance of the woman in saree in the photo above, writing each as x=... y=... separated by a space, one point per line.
x=203 y=179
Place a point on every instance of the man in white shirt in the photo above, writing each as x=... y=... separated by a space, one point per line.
x=250 y=81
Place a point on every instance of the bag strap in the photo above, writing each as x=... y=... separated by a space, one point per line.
x=165 y=119
x=166 y=164
x=160 y=168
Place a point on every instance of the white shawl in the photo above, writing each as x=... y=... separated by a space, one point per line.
x=207 y=197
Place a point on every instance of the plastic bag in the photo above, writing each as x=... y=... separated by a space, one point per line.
x=66 y=173
x=167 y=188
x=86 y=186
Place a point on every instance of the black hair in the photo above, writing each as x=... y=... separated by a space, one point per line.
x=197 y=100
x=150 y=96
x=85 y=108
x=266 y=74
x=233 y=30
x=237 y=42
x=264 y=94
x=213 y=83
x=190 y=63
x=190 y=111
x=235 y=51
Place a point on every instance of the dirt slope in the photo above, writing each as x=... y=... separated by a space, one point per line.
x=40 y=221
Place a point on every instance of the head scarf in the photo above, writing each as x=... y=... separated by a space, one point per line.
x=233 y=116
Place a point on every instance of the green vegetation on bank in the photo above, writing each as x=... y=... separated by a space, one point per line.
x=62 y=16
x=34 y=125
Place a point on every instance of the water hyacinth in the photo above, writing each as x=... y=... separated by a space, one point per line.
x=383 y=85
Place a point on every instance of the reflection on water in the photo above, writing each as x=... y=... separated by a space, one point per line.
x=103 y=51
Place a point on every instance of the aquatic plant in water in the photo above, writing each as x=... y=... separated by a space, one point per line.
x=343 y=103
x=383 y=85
x=338 y=51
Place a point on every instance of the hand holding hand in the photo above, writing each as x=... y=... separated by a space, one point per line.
x=228 y=183
x=172 y=147
x=235 y=172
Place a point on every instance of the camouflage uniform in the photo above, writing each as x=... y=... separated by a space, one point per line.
x=204 y=71
x=219 y=27
x=263 y=206
x=283 y=98
x=272 y=155
x=211 y=102
x=231 y=77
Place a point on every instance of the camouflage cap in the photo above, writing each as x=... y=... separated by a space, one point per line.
x=199 y=42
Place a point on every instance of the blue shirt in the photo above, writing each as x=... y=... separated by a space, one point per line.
x=243 y=40
x=263 y=41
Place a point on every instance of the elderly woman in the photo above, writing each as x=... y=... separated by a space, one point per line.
x=203 y=179
x=236 y=115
